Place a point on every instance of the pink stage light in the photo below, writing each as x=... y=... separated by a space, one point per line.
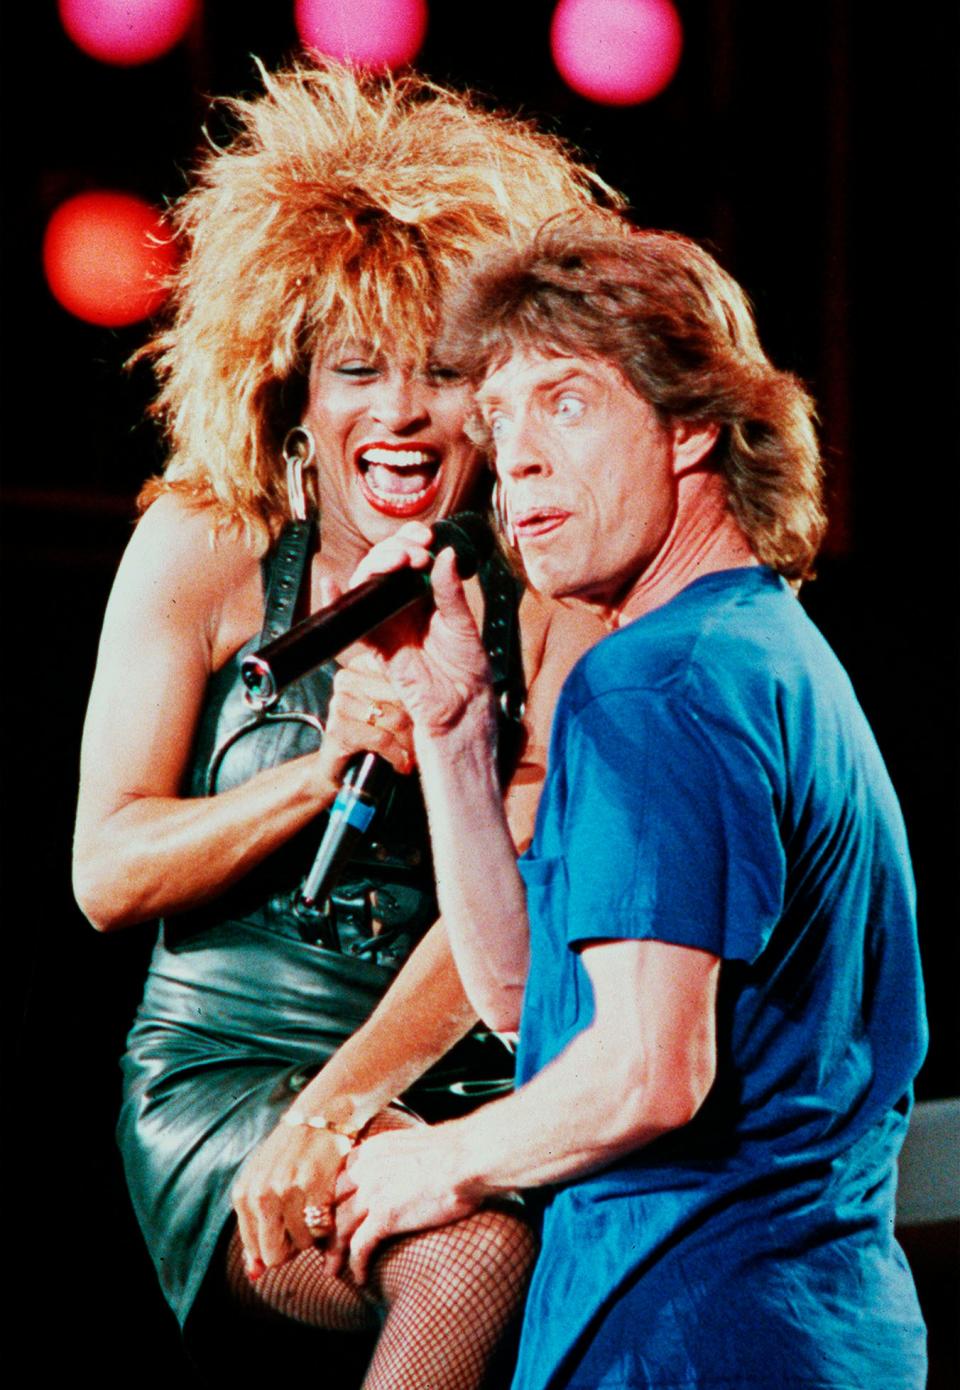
x=126 y=32
x=616 y=52
x=376 y=34
x=100 y=260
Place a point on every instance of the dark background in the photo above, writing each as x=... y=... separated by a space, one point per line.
x=813 y=147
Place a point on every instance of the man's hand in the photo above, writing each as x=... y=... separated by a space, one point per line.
x=393 y=1183
x=294 y=1167
x=433 y=656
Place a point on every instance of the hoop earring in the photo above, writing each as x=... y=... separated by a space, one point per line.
x=503 y=516
x=298 y=453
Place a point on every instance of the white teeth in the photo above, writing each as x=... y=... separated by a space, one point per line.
x=389 y=495
x=398 y=458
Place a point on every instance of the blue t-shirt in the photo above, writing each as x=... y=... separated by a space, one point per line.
x=713 y=783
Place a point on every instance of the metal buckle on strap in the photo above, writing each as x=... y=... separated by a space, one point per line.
x=316 y=925
x=322 y=925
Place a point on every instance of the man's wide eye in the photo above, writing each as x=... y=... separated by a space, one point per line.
x=497 y=425
x=569 y=407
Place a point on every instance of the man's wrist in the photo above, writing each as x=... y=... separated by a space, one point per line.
x=463 y=1177
x=474 y=728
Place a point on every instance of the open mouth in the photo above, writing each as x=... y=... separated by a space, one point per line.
x=398 y=481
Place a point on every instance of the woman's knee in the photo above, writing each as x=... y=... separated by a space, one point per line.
x=493 y=1248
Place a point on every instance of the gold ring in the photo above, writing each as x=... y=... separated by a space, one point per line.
x=318 y=1220
x=374 y=713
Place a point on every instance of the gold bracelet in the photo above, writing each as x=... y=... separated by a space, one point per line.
x=321 y=1122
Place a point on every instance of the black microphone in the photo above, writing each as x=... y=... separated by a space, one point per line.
x=368 y=776
x=359 y=611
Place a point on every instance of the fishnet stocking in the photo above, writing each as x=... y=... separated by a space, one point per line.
x=451 y=1294
x=445 y=1297
x=300 y=1289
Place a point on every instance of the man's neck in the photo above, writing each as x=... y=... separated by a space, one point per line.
x=703 y=539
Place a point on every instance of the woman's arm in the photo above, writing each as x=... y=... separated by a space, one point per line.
x=179 y=605
x=402 y=1039
x=423 y=1014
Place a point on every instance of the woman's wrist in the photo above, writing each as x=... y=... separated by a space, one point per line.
x=322 y=1105
x=318 y=786
x=344 y=1137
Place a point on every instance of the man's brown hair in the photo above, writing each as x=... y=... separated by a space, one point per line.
x=681 y=331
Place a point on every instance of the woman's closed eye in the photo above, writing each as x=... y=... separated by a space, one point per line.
x=357 y=371
x=439 y=375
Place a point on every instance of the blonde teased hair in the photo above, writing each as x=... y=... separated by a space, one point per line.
x=342 y=208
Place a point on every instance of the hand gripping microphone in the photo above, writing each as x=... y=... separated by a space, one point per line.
x=359 y=611
x=322 y=636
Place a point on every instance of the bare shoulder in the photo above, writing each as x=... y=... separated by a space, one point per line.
x=178 y=598
x=555 y=635
x=184 y=573
x=181 y=543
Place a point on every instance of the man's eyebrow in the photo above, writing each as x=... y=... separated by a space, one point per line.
x=485 y=398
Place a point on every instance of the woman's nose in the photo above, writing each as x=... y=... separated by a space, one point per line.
x=401 y=403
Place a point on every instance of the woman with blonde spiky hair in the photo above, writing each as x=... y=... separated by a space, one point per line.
x=307 y=418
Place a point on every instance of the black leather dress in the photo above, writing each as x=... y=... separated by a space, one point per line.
x=240 y=1010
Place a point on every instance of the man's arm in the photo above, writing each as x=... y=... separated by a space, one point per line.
x=479 y=887
x=642 y=1068
x=475 y=881
x=438 y=667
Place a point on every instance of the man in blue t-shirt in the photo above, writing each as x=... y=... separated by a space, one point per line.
x=710 y=948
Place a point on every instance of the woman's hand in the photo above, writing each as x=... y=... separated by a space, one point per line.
x=365 y=716
x=293 y=1168
x=433 y=656
x=392 y=1183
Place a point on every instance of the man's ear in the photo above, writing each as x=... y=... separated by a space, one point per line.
x=691 y=444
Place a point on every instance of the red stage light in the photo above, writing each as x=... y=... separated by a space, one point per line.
x=126 y=32
x=377 y=34
x=616 y=52
x=100 y=260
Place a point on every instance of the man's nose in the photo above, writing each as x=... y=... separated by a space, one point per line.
x=520 y=450
x=401 y=403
